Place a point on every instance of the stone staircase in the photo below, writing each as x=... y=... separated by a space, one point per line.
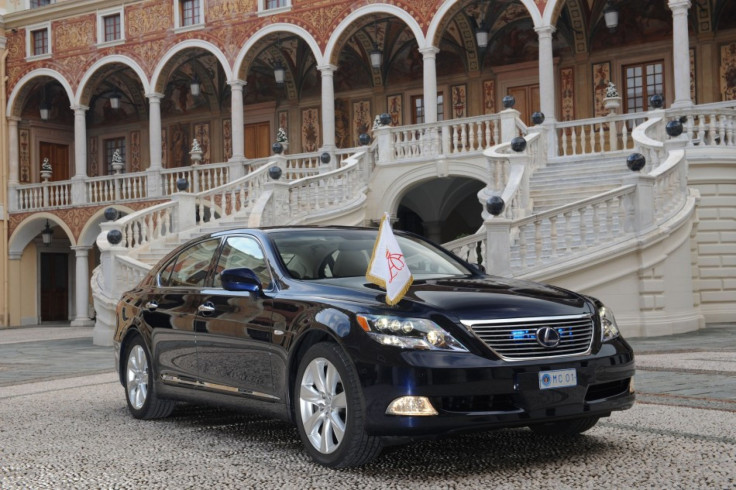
x=565 y=181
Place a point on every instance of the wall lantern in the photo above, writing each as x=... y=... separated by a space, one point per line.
x=481 y=35
x=610 y=14
x=376 y=57
x=115 y=99
x=279 y=73
x=195 y=85
x=44 y=110
x=47 y=234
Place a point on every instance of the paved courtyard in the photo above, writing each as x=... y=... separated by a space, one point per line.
x=64 y=424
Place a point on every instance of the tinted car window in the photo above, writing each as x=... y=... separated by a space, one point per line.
x=323 y=254
x=239 y=252
x=191 y=266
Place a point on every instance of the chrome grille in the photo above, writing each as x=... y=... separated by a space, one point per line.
x=515 y=339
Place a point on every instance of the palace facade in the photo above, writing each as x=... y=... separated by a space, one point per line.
x=104 y=100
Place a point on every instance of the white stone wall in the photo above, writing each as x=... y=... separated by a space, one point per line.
x=715 y=243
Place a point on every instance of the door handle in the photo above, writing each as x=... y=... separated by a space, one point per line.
x=151 y=306
x=205 y=308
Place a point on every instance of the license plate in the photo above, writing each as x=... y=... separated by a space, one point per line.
x=557 y=379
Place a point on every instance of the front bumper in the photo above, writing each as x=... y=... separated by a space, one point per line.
x=471 y=392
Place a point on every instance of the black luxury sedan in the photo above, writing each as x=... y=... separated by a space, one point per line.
x=282 y=321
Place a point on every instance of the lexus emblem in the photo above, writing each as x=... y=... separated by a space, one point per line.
x=548 y=337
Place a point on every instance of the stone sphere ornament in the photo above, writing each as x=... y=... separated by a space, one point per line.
x=182 y=184
x=277 y=148
x=495 y=205
x=114 y=236
x=674 y=128
x=635 y=162
x=111 y=214
x=508 y=102
x=538 y=118
x=518 y=144
x=275 y=172
x=656 y=101
x=385 y=119
x=325 y=157
x=364 y=138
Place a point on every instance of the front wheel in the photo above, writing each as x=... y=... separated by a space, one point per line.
x=330 y=413
x=565 y=427
x=139 y=391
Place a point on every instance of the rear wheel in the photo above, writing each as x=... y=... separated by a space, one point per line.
x=330 y=413
x=139 y=388
x=565 y=427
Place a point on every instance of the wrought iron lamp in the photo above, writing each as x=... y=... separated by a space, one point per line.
x=47 y=234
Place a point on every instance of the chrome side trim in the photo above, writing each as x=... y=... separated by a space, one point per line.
x=176 y=380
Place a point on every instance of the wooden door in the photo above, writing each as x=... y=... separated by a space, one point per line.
x=54 y=287
x=527 y=101
x=58 y=155
x=258 y=140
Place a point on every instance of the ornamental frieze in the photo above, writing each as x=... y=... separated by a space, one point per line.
x=149 y=18
x=225 y=9
x=76 y=218
x=148 y=54
x=74 y=35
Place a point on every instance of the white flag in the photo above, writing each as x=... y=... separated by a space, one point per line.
x=388 y=267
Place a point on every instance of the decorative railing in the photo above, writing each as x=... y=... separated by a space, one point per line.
x=199 y=177
x=45 y=195
x=329 y=190
x=453 y=137
x=670 y=185
x=596 y=135
x=708 y=124
x=147 y=225
x=510 y=174
x=123 y=187
x=232 y=198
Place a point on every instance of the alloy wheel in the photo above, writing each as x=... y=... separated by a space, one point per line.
x=137 y=377
x=323 y=405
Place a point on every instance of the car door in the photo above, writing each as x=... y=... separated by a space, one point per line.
x=234 y=328
x=169 y=309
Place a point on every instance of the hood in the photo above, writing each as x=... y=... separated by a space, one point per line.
x=480 y=297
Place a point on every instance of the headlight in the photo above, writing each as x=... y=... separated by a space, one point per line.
x=609 y=328
x=409 y=333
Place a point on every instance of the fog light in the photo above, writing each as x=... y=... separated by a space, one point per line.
x=418 y=406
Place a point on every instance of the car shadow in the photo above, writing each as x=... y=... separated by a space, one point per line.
x=500 y=450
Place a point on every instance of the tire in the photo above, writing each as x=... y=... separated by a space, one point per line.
x=565 y=427
x=330 y=410
x=139 y=387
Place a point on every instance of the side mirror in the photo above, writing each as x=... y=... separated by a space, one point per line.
x=480 y=267
x=241 y=279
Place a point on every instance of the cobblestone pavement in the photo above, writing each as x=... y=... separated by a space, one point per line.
x=64 y=424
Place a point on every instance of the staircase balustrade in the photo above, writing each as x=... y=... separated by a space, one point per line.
x=596 y=135
x=708 y=124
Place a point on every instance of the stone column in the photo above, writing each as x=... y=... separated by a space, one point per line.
x=81 y=293
x=154 y=130
x=547 y=92
x=429 y=56
x=681 y=52
x=80 y=141
x=154 y=142
x=328 y=108
x=13 y=151
x=546 y=73
x=237 y=125
x=80 y=155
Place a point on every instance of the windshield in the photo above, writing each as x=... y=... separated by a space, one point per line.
x=334 y=253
